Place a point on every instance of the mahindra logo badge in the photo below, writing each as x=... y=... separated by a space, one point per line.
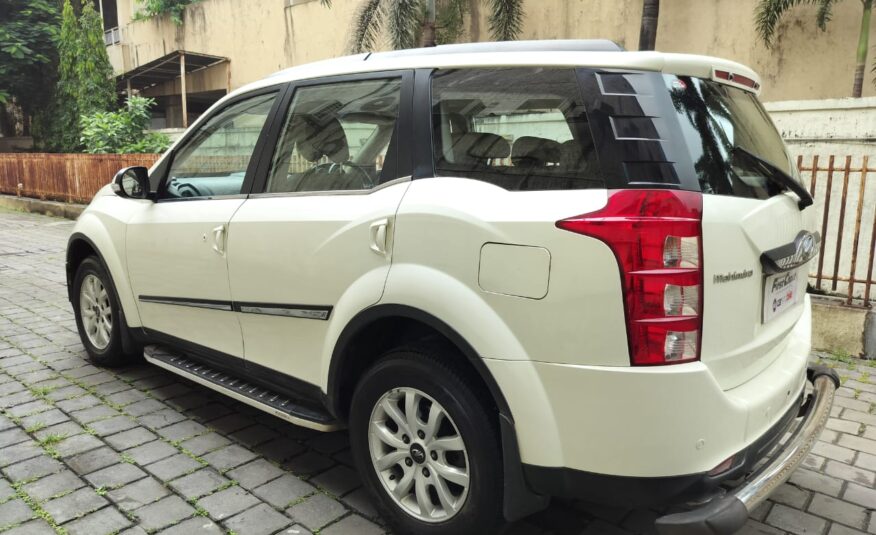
x=791 y=255
x=806 y=245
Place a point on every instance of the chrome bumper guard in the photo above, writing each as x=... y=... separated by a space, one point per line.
x=727 y=514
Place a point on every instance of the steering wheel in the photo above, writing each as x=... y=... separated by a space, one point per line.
x=188 y=190
x=367 y=180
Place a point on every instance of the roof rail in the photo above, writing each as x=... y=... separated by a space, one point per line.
x=556 y=45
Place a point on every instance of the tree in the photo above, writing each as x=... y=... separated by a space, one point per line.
x=409 y=22
x=769 y=13
x=60 y=120
x=648 y=29
x=95 y=89
x=28 y=57
x=85 y=79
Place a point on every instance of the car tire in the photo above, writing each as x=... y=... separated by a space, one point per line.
x=471 y=504
x=98 y=315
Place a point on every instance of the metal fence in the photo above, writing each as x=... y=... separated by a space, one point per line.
x=846 y=211
x=63 y=177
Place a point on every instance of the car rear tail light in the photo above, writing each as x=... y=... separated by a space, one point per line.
x=656 y=237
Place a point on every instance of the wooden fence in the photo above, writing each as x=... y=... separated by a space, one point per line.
x=63 y=177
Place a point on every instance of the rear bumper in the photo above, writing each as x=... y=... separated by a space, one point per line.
x=655 y=491
x=726 y=515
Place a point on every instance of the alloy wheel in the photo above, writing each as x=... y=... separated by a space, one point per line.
x=97 y=314
x=419 y=454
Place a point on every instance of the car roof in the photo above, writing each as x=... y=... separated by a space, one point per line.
x=596 y=53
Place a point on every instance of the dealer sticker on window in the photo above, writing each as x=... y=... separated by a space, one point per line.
x=780 y=293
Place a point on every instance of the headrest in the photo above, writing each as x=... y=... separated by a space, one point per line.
x=326 y=139
x=480 y=146
x=576 y=152
x=535 y=151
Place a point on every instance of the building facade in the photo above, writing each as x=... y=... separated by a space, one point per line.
x=224 y=44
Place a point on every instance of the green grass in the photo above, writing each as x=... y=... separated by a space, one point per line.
x=52 y=439
x=35 y=427
x=42 y=391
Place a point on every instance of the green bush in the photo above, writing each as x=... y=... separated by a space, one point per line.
x=156 y=8
x=122 y=131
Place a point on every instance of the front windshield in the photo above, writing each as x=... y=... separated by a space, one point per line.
x=716 y=118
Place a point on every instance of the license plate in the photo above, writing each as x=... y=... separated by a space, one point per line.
x=780 y=294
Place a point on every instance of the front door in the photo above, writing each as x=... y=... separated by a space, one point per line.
x=177 y=247
x=316 y=244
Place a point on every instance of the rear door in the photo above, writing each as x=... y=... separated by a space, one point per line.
x=749 y=222
x=663 y=131
x=316 y=243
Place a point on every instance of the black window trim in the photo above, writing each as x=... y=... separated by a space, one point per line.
x=282 y=91
x=400 y=139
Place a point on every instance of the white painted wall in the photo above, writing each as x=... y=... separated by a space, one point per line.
x=839 y=127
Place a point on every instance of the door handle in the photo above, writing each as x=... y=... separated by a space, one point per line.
x=380 y=237
x=219 y=240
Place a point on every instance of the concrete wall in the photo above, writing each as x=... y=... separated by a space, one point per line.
x=263 y=36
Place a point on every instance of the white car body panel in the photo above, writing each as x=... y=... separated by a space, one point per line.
x=307 y=250
x=459 y=216
x=736 y=344
x=620 y=420
x=104 y=223
x=171 y=251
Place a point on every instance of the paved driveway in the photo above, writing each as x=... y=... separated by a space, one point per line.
x=91 y=451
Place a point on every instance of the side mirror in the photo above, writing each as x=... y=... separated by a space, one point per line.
x=132 y=183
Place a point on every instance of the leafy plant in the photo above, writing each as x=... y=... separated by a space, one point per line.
x=770 y=12
x=122 y=131
x=157 y=8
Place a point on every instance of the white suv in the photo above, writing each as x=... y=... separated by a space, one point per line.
x=513 y=270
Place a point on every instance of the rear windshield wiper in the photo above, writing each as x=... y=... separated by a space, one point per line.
x=778 y=176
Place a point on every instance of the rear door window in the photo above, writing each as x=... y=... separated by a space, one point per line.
x=516 y=128
x=716 y=120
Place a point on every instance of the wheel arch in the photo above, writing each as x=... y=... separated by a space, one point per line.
x=79 y=247
x=410 y=324
x=368 y=330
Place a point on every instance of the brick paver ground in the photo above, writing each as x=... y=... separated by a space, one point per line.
x=85 y=450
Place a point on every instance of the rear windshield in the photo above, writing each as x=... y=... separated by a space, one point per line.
x=520 y=128
x=716 y=120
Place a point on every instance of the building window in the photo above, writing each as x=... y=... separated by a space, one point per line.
x=109 y=12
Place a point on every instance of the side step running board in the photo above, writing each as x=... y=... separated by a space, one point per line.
x=238 y=388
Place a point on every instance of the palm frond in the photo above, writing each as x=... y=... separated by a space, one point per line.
x=367 y=22
x=825 y=13
x=506 y=19
x=769 y=13
x=326 y=3
x=402 y=22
